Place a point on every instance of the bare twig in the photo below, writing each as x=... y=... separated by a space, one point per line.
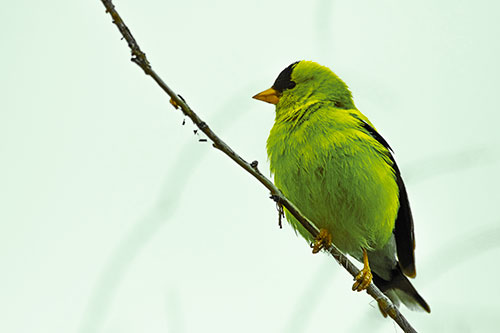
x=140 y=59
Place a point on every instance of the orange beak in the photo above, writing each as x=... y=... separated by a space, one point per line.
x=270 y=96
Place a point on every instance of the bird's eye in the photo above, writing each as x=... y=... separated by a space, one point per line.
x=291 y=85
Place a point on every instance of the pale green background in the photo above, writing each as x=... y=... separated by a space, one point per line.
x=114 y=218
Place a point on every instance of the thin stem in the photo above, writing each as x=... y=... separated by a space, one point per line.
x=140 y=59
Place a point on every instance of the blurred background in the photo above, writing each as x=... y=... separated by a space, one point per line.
x=115 y=217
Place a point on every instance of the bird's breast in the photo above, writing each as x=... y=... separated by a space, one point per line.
x=337 y=180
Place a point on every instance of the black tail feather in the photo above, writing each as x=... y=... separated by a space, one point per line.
x=399 y=289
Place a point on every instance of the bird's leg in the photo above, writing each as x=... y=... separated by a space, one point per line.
x=323 y=240
x=364 y=277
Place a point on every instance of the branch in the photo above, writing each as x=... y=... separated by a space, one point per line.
x=140 y=59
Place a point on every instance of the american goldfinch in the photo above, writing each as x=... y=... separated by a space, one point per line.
x=332 y=163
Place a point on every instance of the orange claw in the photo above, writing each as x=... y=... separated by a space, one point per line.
x=364 y=277
x=322 y=241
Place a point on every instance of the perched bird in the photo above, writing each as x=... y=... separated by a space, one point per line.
x=331 y=162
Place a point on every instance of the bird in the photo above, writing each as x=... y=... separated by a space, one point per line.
x=332 y=163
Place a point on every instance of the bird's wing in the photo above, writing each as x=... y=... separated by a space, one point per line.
x=403 y=230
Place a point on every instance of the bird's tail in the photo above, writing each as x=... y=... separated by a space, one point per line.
x=400 y=290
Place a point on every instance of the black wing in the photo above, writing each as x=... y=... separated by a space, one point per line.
x=403 y=230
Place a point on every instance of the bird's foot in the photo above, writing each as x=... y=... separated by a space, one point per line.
x=364 y=277
x=322 y=241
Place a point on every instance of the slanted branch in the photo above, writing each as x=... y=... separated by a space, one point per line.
x=139 y=58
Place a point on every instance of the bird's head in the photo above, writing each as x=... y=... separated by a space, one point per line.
x=305 y=82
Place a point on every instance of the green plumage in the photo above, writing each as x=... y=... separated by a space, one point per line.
x=325 y=162
x=326 y=159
